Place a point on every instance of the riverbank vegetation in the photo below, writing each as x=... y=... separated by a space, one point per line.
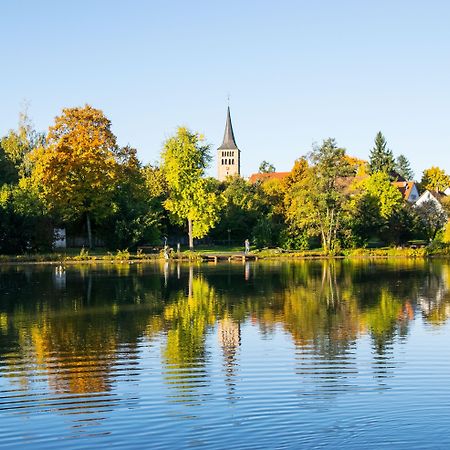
x=76 y=177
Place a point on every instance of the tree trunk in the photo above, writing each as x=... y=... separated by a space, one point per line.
x=89 y=231
x=191 y=239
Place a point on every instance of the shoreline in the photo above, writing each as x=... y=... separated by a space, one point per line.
x=205 y=257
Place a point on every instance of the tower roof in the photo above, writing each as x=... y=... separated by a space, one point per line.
x=228 y=137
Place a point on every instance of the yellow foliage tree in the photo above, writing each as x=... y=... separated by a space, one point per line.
x=435 y=179
x=76 y=171
x=446 y=237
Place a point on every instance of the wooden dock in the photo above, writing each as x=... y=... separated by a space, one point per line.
x=216 y=257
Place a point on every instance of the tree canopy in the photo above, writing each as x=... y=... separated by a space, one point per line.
x=403 y=168
x=191 y=197
x=435 y=179
x=381 y=158
x=77 y=171
x=266 y=167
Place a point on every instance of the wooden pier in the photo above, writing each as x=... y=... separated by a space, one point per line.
x=216 y=257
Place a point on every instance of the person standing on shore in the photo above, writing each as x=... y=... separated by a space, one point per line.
x=247 y=246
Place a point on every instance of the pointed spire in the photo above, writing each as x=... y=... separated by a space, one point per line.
x=229 y=142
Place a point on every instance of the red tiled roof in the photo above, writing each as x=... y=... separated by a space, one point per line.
x=268 y=176
x=405 y=187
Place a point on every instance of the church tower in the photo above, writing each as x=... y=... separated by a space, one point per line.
x=228 y=154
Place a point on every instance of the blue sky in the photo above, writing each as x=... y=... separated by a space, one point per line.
x=297 y=72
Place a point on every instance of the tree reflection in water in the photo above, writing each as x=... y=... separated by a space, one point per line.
x=77 y=329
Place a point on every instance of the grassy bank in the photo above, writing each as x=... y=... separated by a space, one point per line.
x=121 y=256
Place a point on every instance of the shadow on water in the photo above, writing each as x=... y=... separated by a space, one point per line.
x=70 y=338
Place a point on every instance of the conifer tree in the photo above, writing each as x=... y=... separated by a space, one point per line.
x=403 y=168
x=381 y=158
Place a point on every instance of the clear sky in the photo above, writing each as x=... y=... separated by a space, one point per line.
x=297 y=72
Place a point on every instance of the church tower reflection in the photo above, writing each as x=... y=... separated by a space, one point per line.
x=229 y=335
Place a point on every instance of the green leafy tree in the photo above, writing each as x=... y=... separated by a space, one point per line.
x=435 y=179
x=137 y=214
x=432 y=216
x=403 y=168
x=17 y=146
x=245 y=205
x=8 y=171
x=381 y=158
x=318 y=197
x=371 y=209
x=78 y=170
x=191 y=197
x=328 y=199
x=24 y=224
x=266 y=167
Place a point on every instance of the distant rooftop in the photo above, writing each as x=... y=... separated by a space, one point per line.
x=268 y=176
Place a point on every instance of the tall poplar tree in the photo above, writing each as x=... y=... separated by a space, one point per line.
x=381 y=159
x=191 y=197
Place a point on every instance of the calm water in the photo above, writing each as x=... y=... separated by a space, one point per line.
x=270 y=355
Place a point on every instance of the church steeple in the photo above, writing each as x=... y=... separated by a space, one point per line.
x=229 y=143
x=228 y=154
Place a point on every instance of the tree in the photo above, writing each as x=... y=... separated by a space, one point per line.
x=381 y=158
x=18 y=144
x=432 y=216
x=403 y=168
x=266 y=167
x=24 y=225
x=358 y=167
x=300 y=226
x=435 y=179
x=316 y=198
x=77 y=171
x=8 y=172
x=245 y=205
x=370 y=211
x=138 y=208
x=191 y=197
x=327 y=198
x=387 y=195
x=446 y=236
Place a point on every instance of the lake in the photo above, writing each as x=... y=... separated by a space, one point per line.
x=285 y=355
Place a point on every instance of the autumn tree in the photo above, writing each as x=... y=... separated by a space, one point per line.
x=381 y=158
x=435 y=179
x=77 y=170
x=191 y=197
x=317 y=195
x=297 y=205
x=446 y=236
